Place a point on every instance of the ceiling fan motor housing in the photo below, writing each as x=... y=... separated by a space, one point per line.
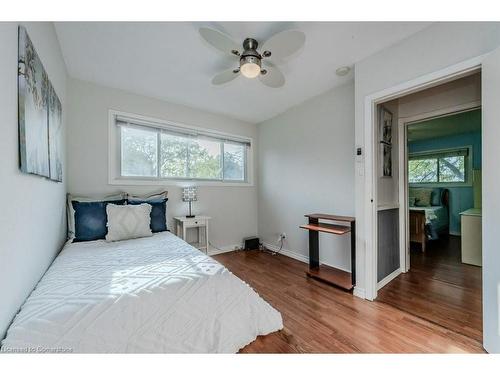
x=250 y=44
x=250 y=60
x=250 y=54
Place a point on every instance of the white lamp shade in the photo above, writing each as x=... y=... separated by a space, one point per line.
x=189 y=194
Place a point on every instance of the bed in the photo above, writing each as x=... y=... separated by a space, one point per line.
x=430 y=222
x=147 y=295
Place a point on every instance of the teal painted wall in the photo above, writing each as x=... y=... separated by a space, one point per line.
x=461 y=198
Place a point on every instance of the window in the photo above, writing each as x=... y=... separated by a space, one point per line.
x=139 y=152
x=450 y=166
x=149 y=150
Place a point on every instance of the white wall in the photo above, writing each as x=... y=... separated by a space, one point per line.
x=430 y=50
x=32 y=220
x=233 y=209
x=491 y=201
x=305 y=165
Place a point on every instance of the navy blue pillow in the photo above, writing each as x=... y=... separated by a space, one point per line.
x=158 y=212
x=91 y=219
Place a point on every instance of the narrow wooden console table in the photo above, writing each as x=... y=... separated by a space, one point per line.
x=331 y=275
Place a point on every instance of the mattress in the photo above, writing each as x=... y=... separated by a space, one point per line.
x=149 y=295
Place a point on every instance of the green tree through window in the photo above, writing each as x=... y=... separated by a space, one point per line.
x=143 y=151
x=447 y=167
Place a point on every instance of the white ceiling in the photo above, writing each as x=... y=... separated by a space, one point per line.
x=170 y=61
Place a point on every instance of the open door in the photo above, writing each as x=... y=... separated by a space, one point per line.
x=491 y=201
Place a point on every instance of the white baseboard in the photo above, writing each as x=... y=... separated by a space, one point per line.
x=359 y=292
x=297 y=256
x=288 y=253
x=386 y=280
x=223 y=249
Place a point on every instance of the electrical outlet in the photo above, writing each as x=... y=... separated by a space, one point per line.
x=281 y=237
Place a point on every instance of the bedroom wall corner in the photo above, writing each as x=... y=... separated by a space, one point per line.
x=32 y=223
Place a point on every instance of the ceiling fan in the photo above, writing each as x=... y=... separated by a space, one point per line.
x=253 y=63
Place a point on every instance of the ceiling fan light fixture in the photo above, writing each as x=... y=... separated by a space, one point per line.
x=250 y=66
x=252 y=63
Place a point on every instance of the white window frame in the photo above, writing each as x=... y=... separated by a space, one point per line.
x=114 y=153
x=435 y=154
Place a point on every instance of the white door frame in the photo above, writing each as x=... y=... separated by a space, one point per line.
x=370 y=111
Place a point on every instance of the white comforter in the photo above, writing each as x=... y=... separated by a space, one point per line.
x=156 y=294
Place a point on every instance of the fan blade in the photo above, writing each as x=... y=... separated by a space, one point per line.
x=219 y=40
x=224 y=77
x=284 y=43
x=273 y=78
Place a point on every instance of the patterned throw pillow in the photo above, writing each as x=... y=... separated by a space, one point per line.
x=159 y=209
x=422 y=197
x=128 y=221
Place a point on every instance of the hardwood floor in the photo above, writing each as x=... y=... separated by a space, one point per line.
x=319 y=318
x=440 y=288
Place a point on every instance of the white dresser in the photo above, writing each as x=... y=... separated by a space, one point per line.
x=472 y=243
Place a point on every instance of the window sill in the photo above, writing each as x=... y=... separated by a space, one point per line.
x=440 y=184
x=155 y=182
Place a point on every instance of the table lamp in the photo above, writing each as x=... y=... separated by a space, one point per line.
x=189 y=194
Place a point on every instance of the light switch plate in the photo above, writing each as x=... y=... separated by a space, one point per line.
x=359 y=154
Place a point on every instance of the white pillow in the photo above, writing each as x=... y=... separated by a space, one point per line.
x=129 y=221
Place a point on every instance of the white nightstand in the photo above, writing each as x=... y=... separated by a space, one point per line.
x=183 y=223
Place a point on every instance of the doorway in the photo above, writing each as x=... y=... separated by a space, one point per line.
x=440 y=277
